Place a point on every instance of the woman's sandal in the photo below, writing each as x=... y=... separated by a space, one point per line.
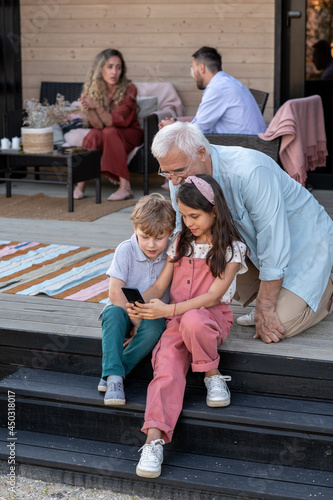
x=121 y=194
x=78 y=194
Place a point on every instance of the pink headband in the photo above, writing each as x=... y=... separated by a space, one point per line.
x=205 y=189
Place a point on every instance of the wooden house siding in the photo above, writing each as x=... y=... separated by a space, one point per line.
x=59 y=39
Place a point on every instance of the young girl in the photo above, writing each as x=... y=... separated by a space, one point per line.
x=203 y=261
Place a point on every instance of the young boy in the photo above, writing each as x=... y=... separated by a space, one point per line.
x=137 y=263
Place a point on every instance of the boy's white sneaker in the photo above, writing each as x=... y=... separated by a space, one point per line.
x=151 y=459
x=218 y=393
x=247 y=319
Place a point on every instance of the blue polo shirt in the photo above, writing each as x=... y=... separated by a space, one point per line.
x=289 y=234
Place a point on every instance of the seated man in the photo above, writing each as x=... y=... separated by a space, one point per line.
x=289 y=235
x=323 y=59
x=227 y=106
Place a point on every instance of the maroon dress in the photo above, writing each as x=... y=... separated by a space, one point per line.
x=121 y=138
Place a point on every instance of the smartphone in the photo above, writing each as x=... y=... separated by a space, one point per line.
x=132 y=294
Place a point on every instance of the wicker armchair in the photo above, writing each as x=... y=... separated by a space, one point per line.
x=70 y=90
x=270 y=148
x=260 y=97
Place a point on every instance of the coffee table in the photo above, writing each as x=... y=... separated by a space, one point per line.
x=81 y=166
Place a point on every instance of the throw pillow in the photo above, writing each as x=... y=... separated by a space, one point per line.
x=75 y=137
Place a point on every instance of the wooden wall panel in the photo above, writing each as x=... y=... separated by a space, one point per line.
x=61 y=37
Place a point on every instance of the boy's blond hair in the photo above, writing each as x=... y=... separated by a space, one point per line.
x=154 y=216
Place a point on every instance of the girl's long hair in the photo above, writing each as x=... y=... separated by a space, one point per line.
x=224 y=231
x=95 y=85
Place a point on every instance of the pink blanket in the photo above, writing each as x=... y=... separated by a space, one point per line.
x=300 y=122
x=169 y=102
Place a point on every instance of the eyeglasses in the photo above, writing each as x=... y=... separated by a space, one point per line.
x=179 y=172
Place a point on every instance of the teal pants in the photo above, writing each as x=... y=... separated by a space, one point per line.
x=116 y=325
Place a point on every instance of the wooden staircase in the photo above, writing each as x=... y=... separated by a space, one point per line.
x=275 y=440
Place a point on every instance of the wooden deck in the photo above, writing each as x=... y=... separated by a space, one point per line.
x=43 y=314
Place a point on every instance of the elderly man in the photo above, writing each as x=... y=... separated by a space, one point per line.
x=288 y=234
x=227 y=106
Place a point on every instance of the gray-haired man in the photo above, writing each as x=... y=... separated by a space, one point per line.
x=290 y=236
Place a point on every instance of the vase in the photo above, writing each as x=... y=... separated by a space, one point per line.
x=37 y=140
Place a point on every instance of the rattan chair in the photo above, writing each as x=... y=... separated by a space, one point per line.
x=260 y=97
x=270 y=148
x=70 y=90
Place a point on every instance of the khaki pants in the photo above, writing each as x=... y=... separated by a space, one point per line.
x=294 y=314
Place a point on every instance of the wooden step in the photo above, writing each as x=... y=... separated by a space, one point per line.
x=251 y=372
x=185 y=476
x=266 y=429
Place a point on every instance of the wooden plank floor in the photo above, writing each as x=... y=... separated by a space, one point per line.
x=44 y=314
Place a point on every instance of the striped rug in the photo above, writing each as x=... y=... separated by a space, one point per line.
x=59 y=271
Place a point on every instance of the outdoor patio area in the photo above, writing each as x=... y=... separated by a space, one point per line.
x=273 y=440
x=55 y=316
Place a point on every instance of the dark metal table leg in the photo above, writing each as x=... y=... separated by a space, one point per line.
x=70 y=184
x=98 y=190
x=8 y=181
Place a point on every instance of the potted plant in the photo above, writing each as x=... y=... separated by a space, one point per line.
x=37 y=130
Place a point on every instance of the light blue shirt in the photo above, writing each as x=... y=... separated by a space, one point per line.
x=289 y=234
x=228 y=107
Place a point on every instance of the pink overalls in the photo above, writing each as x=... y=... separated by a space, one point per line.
x=190 y=339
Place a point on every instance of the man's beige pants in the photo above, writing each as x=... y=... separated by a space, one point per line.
x=294 y=314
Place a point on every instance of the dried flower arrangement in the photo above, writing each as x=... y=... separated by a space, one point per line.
x=45 y=115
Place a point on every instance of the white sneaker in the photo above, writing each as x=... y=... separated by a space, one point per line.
x=151 y=459
x=247 y=319
x=218 y=393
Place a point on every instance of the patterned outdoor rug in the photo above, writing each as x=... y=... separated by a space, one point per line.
x=59 y=271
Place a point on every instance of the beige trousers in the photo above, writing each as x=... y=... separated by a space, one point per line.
x=293 y=312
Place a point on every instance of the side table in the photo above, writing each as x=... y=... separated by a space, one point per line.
x=81 y=166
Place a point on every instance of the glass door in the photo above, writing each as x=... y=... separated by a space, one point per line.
x=319 y=76
x=304 y=64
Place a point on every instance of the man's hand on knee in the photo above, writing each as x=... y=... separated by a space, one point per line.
x=268 y=326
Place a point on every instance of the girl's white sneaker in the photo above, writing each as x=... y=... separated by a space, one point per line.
x=151 y=459
x=218 y=393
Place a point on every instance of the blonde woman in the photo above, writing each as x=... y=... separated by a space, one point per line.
x=109 y=104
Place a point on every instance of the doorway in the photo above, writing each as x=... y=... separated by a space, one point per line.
x=10 y=58
x=300 y=24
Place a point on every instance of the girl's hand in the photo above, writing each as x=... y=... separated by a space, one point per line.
x=153 y=310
